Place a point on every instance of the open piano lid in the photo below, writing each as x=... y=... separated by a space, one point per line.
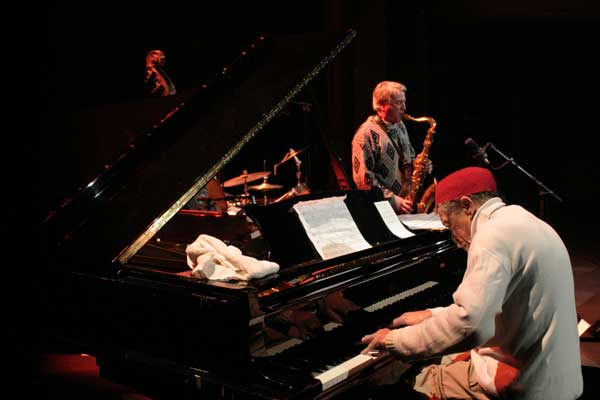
x=115 y=214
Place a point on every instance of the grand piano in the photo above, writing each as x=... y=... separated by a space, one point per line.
x=120 y=289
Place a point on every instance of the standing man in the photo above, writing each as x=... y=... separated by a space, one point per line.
x=382 y=155
x=513 y=313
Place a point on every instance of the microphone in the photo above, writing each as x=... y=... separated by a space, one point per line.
x=478 y=152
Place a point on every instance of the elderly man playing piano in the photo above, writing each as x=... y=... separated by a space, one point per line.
x=513 y=316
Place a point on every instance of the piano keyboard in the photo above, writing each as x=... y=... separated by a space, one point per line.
x=340 y=372
x=334 y=359
x=335 y=374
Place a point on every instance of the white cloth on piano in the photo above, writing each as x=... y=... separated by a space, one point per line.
x=211 y=258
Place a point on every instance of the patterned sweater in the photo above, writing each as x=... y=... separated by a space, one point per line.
x=382 y=156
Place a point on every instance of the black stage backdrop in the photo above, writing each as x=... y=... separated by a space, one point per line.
x=519 y=74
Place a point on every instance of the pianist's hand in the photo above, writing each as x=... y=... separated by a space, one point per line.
x=375 y=341
x=411 y=318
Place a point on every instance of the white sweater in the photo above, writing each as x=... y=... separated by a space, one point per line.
x=515 y=309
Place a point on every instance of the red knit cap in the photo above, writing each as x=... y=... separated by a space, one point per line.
x=464 y=181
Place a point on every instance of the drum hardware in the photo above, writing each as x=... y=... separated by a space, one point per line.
x=288 y=156
x=240 y=200
x=228 y=197
x=300 y=188
x=246 y=177
x=265 y=187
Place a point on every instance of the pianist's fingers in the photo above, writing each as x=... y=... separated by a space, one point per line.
x=375 y=341
x=367 y=338
x=411 y=318
x=369 y=349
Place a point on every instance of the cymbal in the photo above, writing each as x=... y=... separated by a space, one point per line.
x=296 y=152
x=292 y=154
x=247 y=177
x=265 y=186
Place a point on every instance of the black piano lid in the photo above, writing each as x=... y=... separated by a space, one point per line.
x=114 y=215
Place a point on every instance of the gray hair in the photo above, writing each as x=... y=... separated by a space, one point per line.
x=452 y=206
x=384 y=91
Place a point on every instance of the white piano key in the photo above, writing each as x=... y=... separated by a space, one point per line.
x=340 y=372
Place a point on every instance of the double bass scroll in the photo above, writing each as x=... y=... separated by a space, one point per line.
x=157 y=82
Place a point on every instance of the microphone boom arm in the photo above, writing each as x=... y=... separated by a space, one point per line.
x=510 y=160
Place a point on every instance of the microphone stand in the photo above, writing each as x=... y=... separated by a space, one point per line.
x=543 y=190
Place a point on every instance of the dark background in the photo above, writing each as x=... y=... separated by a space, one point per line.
x=519 y=74
x=522 y=75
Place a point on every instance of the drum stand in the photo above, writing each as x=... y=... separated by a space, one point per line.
x=300 y=188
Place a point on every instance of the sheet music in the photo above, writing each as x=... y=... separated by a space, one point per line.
x=391 y=219
x=330 y=226
x=429 y=221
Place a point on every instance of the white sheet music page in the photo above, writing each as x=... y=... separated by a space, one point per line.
x=429 y=221
x=391 y=219
x=330 y=226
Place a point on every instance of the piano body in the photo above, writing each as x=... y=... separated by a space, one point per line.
x=121 y=289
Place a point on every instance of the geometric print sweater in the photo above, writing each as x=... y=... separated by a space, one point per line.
x=382 y=157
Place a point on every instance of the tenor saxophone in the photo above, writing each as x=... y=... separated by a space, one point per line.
x=422 y=200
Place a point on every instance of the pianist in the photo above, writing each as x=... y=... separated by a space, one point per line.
x=513 y=316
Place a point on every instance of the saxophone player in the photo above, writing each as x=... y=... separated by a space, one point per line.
x=382 y=154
